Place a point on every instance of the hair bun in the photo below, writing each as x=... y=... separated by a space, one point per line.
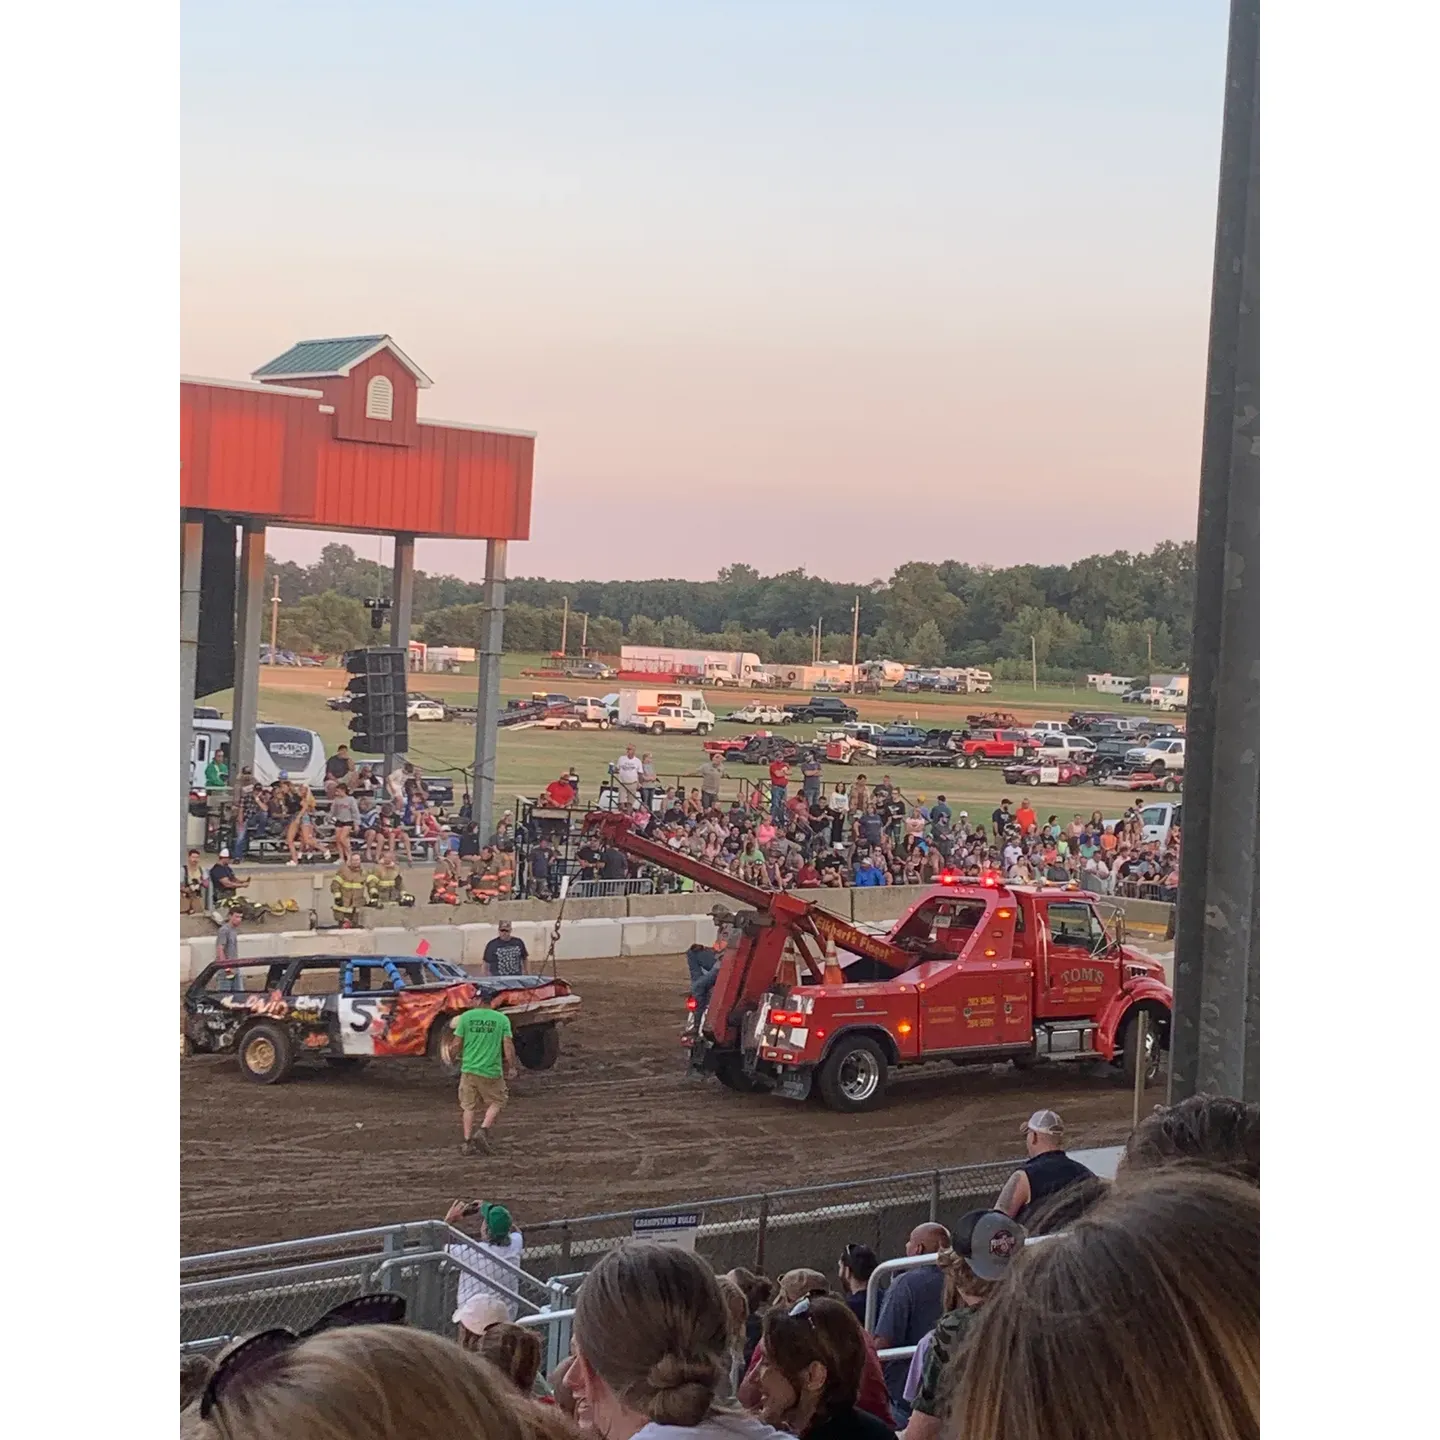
x=672 y=1372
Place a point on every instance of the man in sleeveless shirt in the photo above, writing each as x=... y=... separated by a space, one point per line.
x=1046 y=1172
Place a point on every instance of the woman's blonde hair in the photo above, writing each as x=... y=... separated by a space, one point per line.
x=366 y=1382
x=1143 y=1319
x=736 y=1307
x=650 y=1321
x=960 y=1280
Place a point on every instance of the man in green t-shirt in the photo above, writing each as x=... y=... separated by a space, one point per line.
x=486 y=1061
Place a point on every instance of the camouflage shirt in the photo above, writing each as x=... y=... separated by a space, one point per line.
x=934 y=1393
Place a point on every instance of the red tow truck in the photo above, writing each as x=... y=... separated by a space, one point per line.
x=974 y=972
x=980 y=747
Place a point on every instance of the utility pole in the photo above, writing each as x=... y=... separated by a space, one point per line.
x=819 y=636
x=584 y=636
x=1034 y=668
x=855 y=647
x=565 y=627
x=1149 y=650
x=274 y=616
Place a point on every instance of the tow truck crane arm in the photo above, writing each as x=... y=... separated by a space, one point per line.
x=802 y=918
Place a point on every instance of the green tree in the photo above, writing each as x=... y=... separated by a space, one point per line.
x=927 y=645
x=328 y=623
x=642 y=630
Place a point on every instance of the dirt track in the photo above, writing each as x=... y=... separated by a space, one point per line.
x=616 y=1124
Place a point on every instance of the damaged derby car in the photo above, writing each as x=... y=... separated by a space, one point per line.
x=271 y=1014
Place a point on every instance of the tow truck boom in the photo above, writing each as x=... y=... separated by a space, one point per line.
x=802 y=918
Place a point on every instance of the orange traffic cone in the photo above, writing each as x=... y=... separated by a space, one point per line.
x=834 y=975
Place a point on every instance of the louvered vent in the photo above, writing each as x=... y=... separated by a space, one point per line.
x=379 y=399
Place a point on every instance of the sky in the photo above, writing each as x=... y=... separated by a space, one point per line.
x=812 y=283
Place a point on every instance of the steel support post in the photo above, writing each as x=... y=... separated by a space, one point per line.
x=487 y=703
x=402 y=602
x=1215 y=1046
x=249 y=613
x=192 y=549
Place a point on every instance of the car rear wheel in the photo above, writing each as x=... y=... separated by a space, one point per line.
x=1033 y=780
x=266 y=1053
x=444 y=1046
x=702 y=729
x=603 y=725
x=657 y=729
x=854 y=1075
x=537 y=1047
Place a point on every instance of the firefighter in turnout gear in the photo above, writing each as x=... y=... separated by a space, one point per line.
x=384 y=885
x=485 y=877
x=443 y=889
x=347 y=890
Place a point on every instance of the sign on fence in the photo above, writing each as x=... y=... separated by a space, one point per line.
x=675 y=1229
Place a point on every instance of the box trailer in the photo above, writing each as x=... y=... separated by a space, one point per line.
x=736 y=668
x=641 y=709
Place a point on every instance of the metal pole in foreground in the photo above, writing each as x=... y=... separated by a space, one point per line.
x=192 y=549
x=487 y=702
x=249 y=602
x=1142 y=1036
x=1215 y=1041
x=402 y=605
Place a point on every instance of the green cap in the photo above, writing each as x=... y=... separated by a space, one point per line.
x=498 y=1222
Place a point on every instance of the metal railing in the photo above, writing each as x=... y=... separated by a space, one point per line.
x=237 y=1292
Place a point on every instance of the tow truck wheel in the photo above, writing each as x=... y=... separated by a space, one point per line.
x=444 y=1046
x=1153 y=1051
x=266 y=1054
x=854 y=1075
x=1169 y=787
x=657 y=729
x=972 y=762
x=602 y=725
x=537 y=1047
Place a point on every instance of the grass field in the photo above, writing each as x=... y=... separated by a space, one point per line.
x=530 y=759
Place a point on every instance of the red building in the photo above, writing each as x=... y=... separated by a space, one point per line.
x=329 y=436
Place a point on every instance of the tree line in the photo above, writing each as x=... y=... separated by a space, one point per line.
x=1126 y=613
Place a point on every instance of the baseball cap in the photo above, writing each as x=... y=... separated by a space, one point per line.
x=1045 y=1122
x=479 y=1313
x=224 y=854
x=989 y=1240
x=498 y=1222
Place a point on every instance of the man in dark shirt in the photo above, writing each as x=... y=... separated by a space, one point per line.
x=222 y=878
x=912 y=1306
x=1048 y=1171
x=505 y=955
x=542 y=858
x=613 y=865
x=857 y=1265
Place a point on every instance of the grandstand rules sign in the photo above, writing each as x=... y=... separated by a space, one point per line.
x=676 y=1229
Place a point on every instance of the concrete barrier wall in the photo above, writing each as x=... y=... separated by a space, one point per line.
x=592 y=929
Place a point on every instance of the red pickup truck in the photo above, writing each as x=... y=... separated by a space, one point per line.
x=982 y=747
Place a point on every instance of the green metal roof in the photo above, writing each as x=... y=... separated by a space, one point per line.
x=313 y=358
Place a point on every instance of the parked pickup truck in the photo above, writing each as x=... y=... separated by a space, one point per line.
x=982 y=747
x=903 y=737
x=828 y=708
x=1158 y=756
x=671 y=720
x=1074 y=748
x=993 y=720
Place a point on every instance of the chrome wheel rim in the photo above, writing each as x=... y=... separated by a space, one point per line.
x=859 y=1076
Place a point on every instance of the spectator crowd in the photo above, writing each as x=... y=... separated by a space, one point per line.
x=1136 y=1316
x=783 y=835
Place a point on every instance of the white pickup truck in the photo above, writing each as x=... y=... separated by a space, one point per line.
x=1158 y=755
x=1074 y=748
x=671 y=719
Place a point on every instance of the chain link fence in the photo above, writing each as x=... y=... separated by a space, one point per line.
x=781 y=1230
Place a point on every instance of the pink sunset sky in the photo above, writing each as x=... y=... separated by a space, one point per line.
x=831 y=286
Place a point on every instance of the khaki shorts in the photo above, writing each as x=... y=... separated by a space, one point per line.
x=480 y=1092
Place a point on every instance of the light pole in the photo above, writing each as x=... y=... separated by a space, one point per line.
x=274 y=618
x=1034 y=668
x=855 y=647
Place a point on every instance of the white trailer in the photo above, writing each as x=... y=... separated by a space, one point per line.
x=642 y=710
x=736 y=668
x=1108 y=684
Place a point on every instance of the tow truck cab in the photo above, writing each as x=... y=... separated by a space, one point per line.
x=995 y=973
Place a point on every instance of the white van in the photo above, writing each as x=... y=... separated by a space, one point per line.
x=300 y=753
x=640 y=710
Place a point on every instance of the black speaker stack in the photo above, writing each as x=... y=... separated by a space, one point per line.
x=378 y=700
